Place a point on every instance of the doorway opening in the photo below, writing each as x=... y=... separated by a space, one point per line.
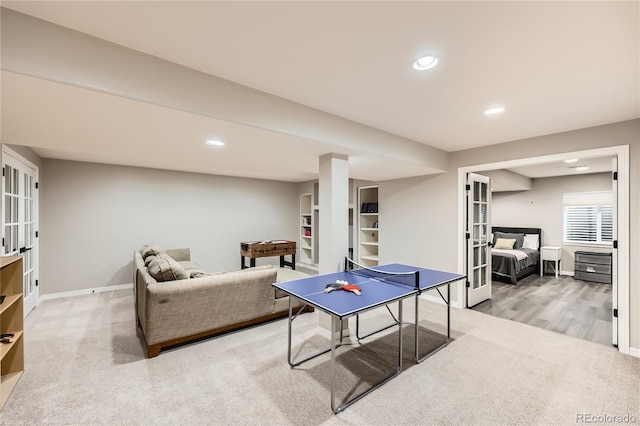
x=619 y=287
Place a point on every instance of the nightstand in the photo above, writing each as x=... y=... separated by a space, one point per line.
x=552 y=254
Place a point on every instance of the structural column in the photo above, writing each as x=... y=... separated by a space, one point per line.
x=333 y=194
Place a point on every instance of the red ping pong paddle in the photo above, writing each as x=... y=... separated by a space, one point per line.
x=353 y=288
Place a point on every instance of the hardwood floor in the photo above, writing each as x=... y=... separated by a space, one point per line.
x=577 y=308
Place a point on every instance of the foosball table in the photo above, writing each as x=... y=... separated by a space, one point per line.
x=256 y=249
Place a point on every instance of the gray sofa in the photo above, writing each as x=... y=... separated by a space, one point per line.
x=183 y=303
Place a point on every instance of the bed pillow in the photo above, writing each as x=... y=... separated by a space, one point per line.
x=505 y=243
x=531 y=241
x=518 y=237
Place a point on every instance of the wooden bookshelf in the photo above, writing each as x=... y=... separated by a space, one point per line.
x=11 y=321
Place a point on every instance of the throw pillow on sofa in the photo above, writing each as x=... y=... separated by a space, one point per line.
x=148 y=259
x=164 y=268
x=150 y=250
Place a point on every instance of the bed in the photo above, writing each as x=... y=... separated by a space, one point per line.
x=518 y=261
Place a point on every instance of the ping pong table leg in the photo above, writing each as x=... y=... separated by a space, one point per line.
x=341 y=407
x=448 y=312
x=292 y=317
x=447 y=302
x=395 y=322
x=333 y=367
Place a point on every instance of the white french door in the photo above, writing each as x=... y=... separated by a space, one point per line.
x=20 y=218
x=478 y=231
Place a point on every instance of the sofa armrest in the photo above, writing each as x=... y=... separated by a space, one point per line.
x=186 y=307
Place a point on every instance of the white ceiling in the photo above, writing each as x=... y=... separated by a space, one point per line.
x=560 y=168
x=555 y=66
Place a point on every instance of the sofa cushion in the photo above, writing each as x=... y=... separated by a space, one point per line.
x=164 y=268
x=150 y=250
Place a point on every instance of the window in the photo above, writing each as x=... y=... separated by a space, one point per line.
x=588 y=218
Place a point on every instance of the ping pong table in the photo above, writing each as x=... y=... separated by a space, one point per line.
x=382 y=286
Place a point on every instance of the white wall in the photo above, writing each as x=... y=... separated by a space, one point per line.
x=97 y=215
x=542 y=206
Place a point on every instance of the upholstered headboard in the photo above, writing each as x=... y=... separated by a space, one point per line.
x=515 y=230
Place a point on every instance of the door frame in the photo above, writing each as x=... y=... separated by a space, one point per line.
x=622 y=282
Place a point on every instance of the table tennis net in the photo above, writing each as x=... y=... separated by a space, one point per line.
x=410 y=279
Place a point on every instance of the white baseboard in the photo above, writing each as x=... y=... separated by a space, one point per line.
x=85 y=291
x=634 y=352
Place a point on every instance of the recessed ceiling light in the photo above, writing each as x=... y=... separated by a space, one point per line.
x=582 y=168
x=425 y=63
x=571 y=160
x=215 y=142
x=494 y=111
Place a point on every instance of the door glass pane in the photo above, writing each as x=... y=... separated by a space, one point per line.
x=476 y=213
x=14 y=238
x=476 y=191
x=476 y=278
x=483 y=276
x=14 y=210
x=483 y=256
x=7 y=208
x=483 y=192
x=28 y=284
x=476 y=255
x=16 y=181
x=7 y=178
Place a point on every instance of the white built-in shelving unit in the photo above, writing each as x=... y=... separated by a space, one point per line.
x=306 y=249
x=368 y=226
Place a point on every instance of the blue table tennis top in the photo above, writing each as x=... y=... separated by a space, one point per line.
x=374 y=292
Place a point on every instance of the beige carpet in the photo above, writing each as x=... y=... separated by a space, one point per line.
x=85 y=364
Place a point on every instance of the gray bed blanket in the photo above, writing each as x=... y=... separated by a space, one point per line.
x=507 y=265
